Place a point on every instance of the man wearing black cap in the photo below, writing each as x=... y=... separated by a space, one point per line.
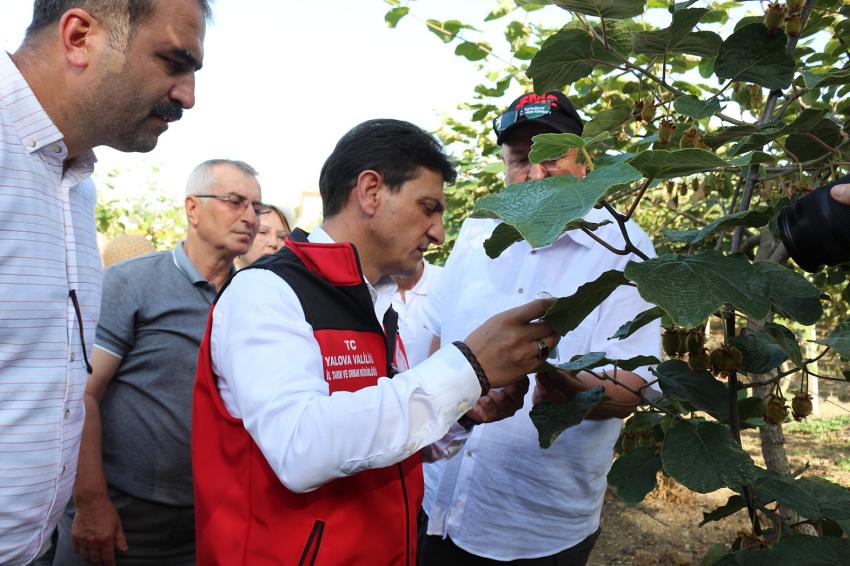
x=502 y=498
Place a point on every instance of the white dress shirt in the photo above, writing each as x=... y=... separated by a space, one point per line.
x=270 y=374
x=415 y=335
x=47 y=248
x=502 y=496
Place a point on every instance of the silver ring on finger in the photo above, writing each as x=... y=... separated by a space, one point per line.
x=542 y=350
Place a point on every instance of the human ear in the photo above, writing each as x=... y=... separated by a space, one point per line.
x=81 y=37
x=367 y=191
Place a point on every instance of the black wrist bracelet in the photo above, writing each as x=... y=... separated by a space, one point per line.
x=476 y=367
x=467 y=423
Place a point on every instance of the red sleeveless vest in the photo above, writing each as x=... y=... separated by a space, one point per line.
x=244 y=515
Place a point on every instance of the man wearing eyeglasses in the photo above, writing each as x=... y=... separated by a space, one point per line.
x=133 y=493
x=503 y=499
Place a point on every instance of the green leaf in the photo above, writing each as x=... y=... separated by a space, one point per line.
x=786 y=340
x=473 y=51
x=734 y=504
x=761 y=353
x=700 y=389
x=634 y=473
x=599 y=359
x=447 y=30
x=551 y=419
x=393 y=15
x=691 y=288
x=820 y=80
x=839 y=340
x=813 y=498
x=607 y=120
x=638 y=322
x=678 y=37
x=751 y=411
x=703 y=457
x=791 y=294
x=802 y=549
x=752 y=55
x=697 y=109
x=753 y=158
x=754 y=217
x=568 y=312
x=716 y=552
x=664 y=164
x=814 y=143
x=503 y=237
x=611 y=9
x=540 y=210
x=567 y=56
x=503 y=8
x=546 y=147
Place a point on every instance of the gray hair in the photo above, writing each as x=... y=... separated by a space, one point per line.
x=202 y=176
x=121 y=16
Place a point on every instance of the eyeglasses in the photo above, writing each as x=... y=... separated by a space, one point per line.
x=240 y=203
x=528 y=112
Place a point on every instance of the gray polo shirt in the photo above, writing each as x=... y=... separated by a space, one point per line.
x=153 y=316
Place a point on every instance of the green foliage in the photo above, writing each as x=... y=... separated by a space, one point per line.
x=633 y=474
x=568 y=312
x=551 y=419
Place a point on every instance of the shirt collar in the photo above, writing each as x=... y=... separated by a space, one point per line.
x=184 y=264
x=422 y=286
x=33 y=125
x=384 y=289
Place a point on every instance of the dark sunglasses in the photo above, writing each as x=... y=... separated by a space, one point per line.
x=531 y=111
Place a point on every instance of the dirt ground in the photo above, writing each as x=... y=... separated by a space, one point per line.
x=663 y=529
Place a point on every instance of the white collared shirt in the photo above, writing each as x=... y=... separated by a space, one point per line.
x=414 y=333
x=502 y=496
x=47 y=248
x=270 y=374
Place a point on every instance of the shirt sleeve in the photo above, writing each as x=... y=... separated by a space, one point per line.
x=263 y=351
x=119 y=307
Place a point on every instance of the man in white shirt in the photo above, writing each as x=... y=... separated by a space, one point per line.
x=503 y=499
x=407 y=301
x=306 y=442
x=88 y=73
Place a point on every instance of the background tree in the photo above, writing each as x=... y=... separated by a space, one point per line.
x=703 y=128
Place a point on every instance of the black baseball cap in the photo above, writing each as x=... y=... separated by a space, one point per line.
x=551 y=109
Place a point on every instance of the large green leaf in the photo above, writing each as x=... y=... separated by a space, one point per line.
x=546 y=147
x=473 y=51
x=734 y=504
x=638 y=322
x=786 y=340
x=692 y=106
x=505 y=235
x=813 y=498
x=678 y=38
x=839 y=340
x=568 y=312
x=703 y=457
x=691 y=288
x=805 y=122
x=815 y=142
x=393 y=15
x=791 y=294
x=752 y=55
x=612 y=9
x=551 y=419
x=634 y=473
x=607 y=120
x=761 y=353
x=598 y=359
x=664 y=164
x=754 y=217
x=699 y=389
x=567 y=56
x=820 y=80
x=540 y=210
x=796 y=550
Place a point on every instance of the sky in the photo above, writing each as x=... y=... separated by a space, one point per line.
x=283 y=80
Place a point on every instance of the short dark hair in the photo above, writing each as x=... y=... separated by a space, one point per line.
x=123 y=15
x=396 y=149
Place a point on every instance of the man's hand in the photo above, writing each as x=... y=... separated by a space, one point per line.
x=96 y=532
x=841 y=193
x=507 y=345
x=499 y=403
x=555 y=386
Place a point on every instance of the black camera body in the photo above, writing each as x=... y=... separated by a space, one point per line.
x=816 y=229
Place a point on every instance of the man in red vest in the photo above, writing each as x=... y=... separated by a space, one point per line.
x=309 y=429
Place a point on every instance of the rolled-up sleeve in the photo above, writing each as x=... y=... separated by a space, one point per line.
x=270 y=367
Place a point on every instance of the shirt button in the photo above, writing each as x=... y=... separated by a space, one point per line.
x=469 y=453
x=533 y=252
x=463 y=407
x=67 y=413
x=31 y=143
x=520 y=290
x=72 y=357
x=57 y=149
x=63 y=469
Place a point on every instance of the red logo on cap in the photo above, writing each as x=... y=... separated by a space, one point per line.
x=534 y=98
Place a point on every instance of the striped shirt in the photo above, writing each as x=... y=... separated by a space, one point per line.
x=47 y=249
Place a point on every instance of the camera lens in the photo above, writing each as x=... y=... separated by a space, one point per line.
x=816 y=229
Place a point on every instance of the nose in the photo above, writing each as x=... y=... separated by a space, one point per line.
x=249 y=216
x=537 y=171
x=183 y=91
x=437 y=232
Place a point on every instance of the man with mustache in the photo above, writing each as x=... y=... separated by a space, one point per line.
x=89 y=73
x=134 y=487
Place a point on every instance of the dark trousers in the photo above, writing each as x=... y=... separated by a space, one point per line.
x=162 y=535
x=437 y=551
